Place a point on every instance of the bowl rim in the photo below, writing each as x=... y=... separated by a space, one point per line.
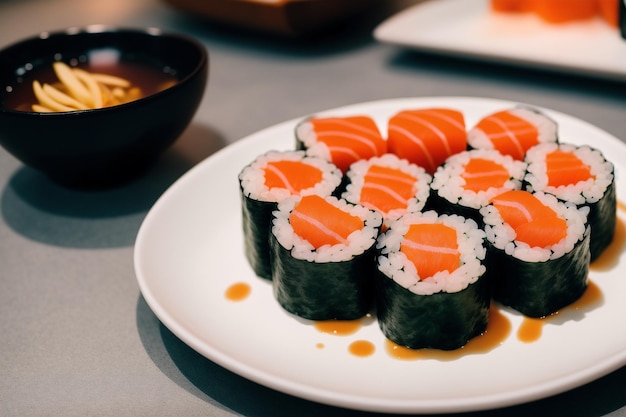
x=95 y=29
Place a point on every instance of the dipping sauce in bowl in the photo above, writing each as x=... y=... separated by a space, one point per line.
x=99 y=145
x=101 y=82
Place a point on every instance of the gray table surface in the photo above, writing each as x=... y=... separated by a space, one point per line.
x=76 y=336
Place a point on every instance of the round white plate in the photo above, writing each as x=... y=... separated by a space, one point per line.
x=189 y=251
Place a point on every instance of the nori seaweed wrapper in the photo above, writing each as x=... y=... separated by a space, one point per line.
x=440 y=321
x=323 y=291
x=256 y=222
x=443 y=206
x=602 y=218
x=538 y=289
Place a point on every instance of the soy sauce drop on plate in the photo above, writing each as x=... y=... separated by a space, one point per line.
x=238 y=291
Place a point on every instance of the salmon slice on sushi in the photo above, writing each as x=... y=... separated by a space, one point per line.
x=512 y=131
x=538 y=251
x=580 y=175
x=432 y=291
x=389 y=185
x=426 y=137
x=340 y=140
x=323 y=257
x=269 y=179
x=468 y=181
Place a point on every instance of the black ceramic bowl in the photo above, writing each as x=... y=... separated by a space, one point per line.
x=106 y=146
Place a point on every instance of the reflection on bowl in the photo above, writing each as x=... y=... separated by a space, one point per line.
x=96 y=147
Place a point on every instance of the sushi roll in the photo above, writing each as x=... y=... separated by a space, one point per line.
x=580 y=175
x=512 y=131
x=537 y=253
x=388 y=184
x=269 y=179
x=426 y=137
x=468 y=180
x=323 y=257
x=340 y=140
x=432 y=290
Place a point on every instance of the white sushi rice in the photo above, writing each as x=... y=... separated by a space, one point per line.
x=584 y=192
x=395 y=265
x=502 y=236
x=449 y=184
x=252 y=177
x=358 y=241
x=306 y=134
x=547 y=128
x=357 y=172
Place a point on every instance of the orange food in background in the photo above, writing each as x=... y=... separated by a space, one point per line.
x=609 y=11
x=561 y=11
x=509 y=6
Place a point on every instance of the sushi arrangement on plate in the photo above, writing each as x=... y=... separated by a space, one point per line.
x=428 y=222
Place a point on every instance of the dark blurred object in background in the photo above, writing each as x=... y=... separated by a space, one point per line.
x=283 y=17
